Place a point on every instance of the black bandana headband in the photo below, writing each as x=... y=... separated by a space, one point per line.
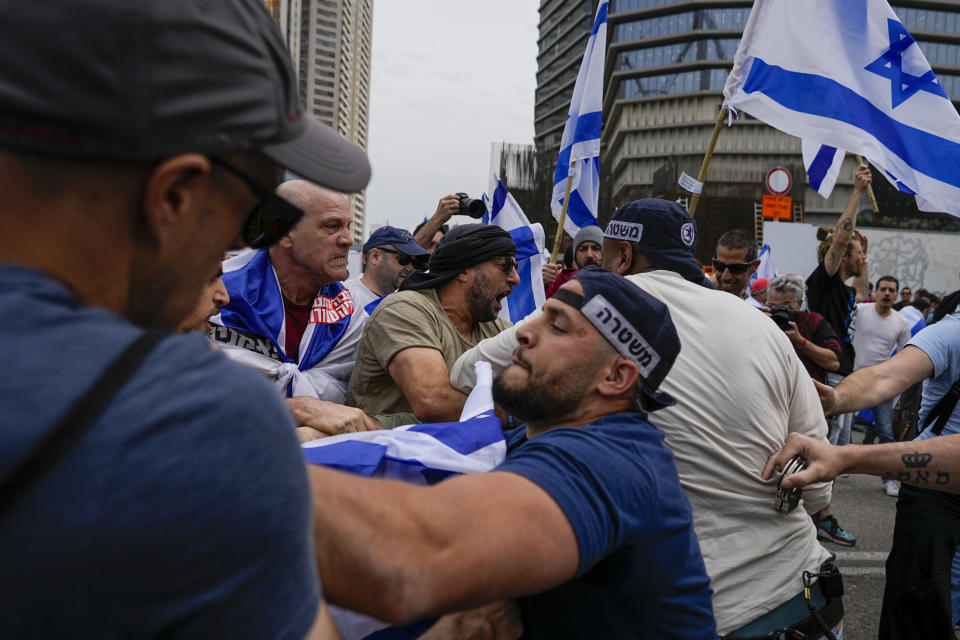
x=463 y=247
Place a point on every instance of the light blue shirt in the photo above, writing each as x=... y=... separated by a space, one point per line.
x=941 y=342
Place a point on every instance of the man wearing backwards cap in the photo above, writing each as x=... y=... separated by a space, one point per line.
x=136 y=146
x=389 y=255
x=740 y=390
x=736 y=402
x=584 y=522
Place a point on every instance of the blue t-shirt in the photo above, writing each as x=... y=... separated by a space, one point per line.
x=941 y=342
x=641 y=574
x=184 y=512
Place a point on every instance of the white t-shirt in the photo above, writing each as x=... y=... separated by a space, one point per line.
x=740 y=390
x=361 y=293
x=875 y=336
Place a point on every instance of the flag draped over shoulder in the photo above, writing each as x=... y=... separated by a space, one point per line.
x=530 y=239
x=580 y=142
x=846 y=75
x=421 y=454
x=251 y=330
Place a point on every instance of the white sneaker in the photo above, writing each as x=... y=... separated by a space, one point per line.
x=892 y=487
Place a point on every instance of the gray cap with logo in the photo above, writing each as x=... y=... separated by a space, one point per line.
x=139 y=80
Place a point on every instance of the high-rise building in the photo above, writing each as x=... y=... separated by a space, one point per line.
x=666 y=65
x=330 y=43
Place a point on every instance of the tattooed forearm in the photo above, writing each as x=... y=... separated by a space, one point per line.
x=846 y=225
x=916 y=460
x=934 y=478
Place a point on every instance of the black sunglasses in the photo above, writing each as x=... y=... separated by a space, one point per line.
x=509 y=264
x=271 y=219
x=736 y=268
x=404 y=259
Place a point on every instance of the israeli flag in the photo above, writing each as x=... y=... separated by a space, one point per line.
x=846 y=74
x=529 y=295
x=822 y=163
x=580 y=142
x=766 y=269
x=421 y=454
x=530 y=240
x=914 y=317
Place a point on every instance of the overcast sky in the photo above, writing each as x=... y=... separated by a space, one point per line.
x=449 y=77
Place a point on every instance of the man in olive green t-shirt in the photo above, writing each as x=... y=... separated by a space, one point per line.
x=414 y=336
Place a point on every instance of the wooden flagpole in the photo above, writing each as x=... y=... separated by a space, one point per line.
x=563 y=214
x=873 y=198
x=706 y=160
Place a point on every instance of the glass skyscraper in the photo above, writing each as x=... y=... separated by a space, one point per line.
x=666 y=65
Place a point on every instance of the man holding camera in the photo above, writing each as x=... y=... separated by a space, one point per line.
x=812 y=336
x=429 y=232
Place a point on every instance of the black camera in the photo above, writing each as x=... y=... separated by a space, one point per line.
x=471 y=206
x=783 y=315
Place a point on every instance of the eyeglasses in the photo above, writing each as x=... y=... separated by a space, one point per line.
x=403 y=259
x=271 y=219
x=736 y=268
x=509 y=264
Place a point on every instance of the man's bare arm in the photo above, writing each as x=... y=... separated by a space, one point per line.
x=447 y=207
x=861 y=283
x=422 y=376
x=400 y=552
x=847 y=223
x=932 y=463
x=870 y=386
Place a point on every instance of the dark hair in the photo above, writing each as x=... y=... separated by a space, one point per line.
x=947 y=305
x=739 y=239
x=896 y=283
x=921 y=304
x=444 y=229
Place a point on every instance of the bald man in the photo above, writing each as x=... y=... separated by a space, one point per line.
x=290 y=316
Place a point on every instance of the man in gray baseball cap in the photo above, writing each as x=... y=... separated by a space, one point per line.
x=148 y=485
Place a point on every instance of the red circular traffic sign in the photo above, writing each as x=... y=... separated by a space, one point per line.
x=779 y=181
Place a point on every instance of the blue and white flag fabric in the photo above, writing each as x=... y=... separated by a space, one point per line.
x=766 y=269
x=580 y=142
x=823 y=165
x=914 y=317
x=421 y=454
x=846 y=74
x=529 y=295
x=504 y=210
x=252 y=330
x=530 y=240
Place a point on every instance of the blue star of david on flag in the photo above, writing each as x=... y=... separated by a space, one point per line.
x=845 y=76
x=890 y=65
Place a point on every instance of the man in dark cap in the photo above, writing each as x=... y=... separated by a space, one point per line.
x=389 y=255
x=584 y=522
x=740 y=391
x=138 y=142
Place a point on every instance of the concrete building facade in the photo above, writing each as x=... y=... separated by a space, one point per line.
x=666 y=65
x=330 y=44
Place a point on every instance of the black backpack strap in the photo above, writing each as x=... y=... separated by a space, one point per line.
x=77 y=421
x=943 y=409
